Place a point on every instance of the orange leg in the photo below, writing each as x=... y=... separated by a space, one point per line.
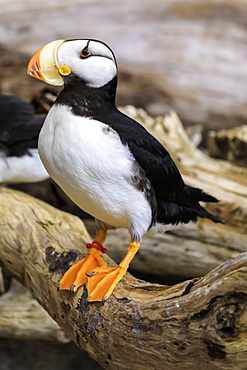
x=102 y=281
x=76 y=275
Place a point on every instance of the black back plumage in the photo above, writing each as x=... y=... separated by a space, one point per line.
x=175 y=201
x=19 y=126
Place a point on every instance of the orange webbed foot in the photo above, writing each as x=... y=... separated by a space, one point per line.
x=102 y=281
x=76 y=275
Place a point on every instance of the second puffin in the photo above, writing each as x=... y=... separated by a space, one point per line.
x=106 y=162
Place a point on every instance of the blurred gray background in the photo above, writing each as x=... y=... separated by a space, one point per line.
x=189 y=56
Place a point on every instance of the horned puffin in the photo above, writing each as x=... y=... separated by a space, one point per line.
x=19 y=131
x=106 y=162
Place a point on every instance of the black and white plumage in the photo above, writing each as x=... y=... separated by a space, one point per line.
x=106 y=162
x=19 y=131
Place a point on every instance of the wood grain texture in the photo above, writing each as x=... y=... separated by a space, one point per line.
x=200 y=322
x=22 y=317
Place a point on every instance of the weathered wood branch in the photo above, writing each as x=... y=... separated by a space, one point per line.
x=182 y=254
x=22 y=317
x=201 y=322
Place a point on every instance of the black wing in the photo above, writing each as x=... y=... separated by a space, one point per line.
x=19 y=127
x=177 y=202
x=153 y=158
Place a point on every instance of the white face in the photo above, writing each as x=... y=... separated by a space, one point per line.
x=96 y=68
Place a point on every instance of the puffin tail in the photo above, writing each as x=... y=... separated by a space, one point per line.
x=186 y=207
x=198 y=195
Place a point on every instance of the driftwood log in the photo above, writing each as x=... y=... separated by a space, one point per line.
x=22 y=317
x=197 y=323
x=229 y=144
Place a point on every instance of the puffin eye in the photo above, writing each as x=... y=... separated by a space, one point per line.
x=85 y=53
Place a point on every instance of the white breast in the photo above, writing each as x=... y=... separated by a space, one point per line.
x=89 y=162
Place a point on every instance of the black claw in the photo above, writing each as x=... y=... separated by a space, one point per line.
x=72 y=288
x=92 y=273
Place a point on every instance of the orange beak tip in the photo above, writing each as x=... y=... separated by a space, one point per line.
x=43 y=64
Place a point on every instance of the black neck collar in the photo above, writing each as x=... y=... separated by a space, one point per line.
x=87 y=101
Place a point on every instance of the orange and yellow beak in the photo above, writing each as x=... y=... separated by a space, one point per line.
x=44 y=64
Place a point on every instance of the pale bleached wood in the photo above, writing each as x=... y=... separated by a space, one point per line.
x=182 y=254
x=21 y=317
x=198 y=323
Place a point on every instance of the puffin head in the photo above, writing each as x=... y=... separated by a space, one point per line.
x=91 y=61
